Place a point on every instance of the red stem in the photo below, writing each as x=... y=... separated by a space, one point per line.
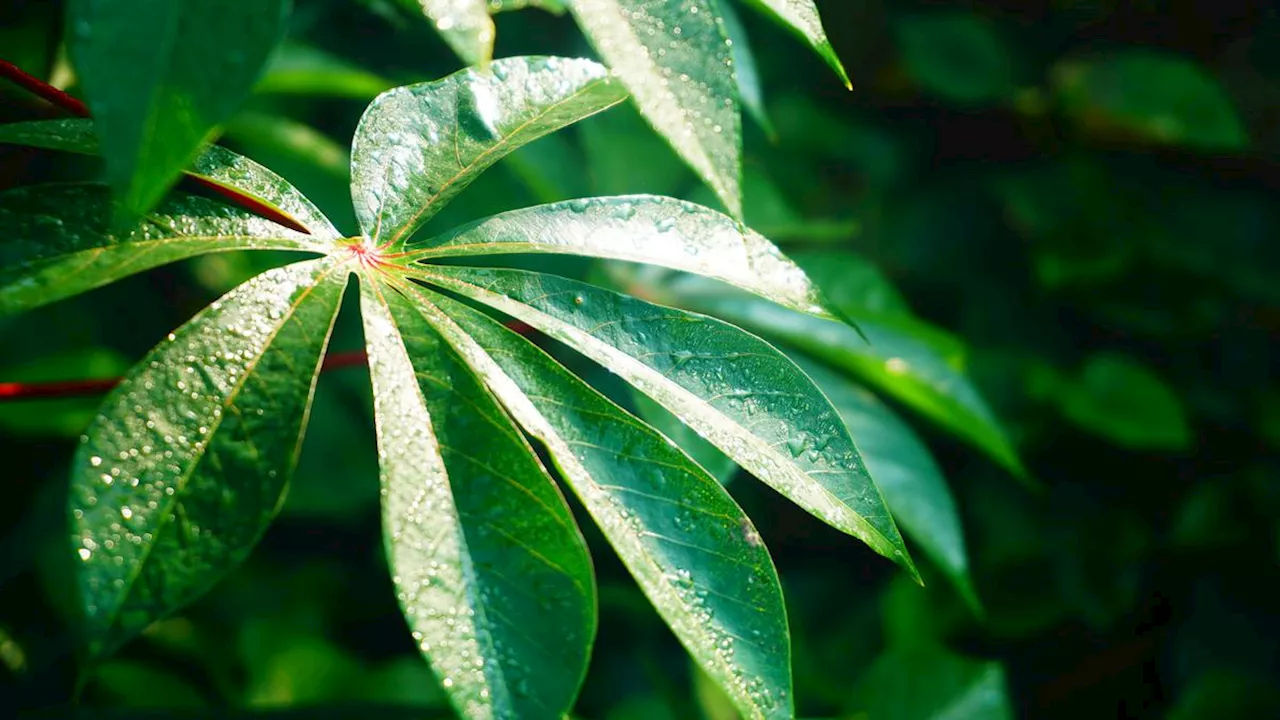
x=72 y=105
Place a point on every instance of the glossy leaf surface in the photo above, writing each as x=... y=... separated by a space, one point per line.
x=744 y=67
x=801 y=17
x=159 y=78
x=492 y=574
x=181 y=472
x=906 y=474
x=692 y=550
x=59 y=240
x=735 y=390
x=420 y=145
x=216 y=164
x=646 y=229
x=674 y=57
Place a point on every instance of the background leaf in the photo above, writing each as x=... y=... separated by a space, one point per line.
x=930 y=682
x=956 y=56
x=182 y=471
x=1126 y=402
x=159 y=80
x=673 y=57
x=464 y=24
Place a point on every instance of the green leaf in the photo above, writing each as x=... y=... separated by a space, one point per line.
x=297 y=69
x=956 y=56
x=556 y=7
x=59 y=242
x=689 y=546
x=464 y=24
x=910 y=360
x=931 y=682
x=717 y=464
x=492 y=573
x=65 y=417
x=216 y=164
x=640 y=228
x=418 y=146
x=801 y=17
x=743 y=396
x=906 y=474
x=674 y=57
x=744 y=66
x=181 y=472
x=1157 y=97
x=159 y=78
x=1122 y=400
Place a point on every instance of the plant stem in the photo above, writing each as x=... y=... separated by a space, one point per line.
x=74 y=106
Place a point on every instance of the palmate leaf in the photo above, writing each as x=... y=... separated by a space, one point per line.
x=801 y=17
x=59 y=242
x=159 y=78
x=493 y=576
x=674 y=57
x=186 y=464
x=640 y=228
x=215 y=164
x=736 y=391
x=418 y=146
x=690 y=547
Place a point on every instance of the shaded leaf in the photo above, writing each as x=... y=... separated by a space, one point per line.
x=297 y=69
x=692 y=550
x=491 y=571
x=66 y=417
x=956 y=56
x=906 y=474
x=216 y=164
x=59 y=243
x=640 y=228
x=801 y=17
x=159 y=78
x=674 y=57
x=181 y=472
x=743 y=396
x=1122 y=400
x=418 y=146
x=1156 y=97
x=931 y=682
x=716 y=463
x=744 y=67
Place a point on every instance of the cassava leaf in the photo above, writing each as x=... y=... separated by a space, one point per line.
x=464 y=24
x=59 y=242
x=216 y=164
x=640 y=228
x=910 y=360
x=906 y=474
x=418 y=146
x=801 y=17
x=690 y=547
x=717 y=464
x=180 y=474
x=735 y=390
x=492 y=573
x=297 y=69
x=159 y=78
x=674 y=57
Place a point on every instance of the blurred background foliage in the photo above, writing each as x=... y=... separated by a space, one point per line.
x=1072 y=201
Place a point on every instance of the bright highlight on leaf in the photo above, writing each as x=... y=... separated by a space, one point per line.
x=464 y=24
x=801 y=17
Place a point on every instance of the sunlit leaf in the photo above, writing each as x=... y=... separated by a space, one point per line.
x=674 y=57
x=491 y=571
x=59 y=241
x=736 y=391
x=906 y=474
x=691 y=549
x=420 y=145
x=1159 y=97
x=216 y=164
x=464 y=24
x=552 y=6
x=641 y=228
x=159 y=78
x=184 y=468
x=801 y=17
x=717 y=464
